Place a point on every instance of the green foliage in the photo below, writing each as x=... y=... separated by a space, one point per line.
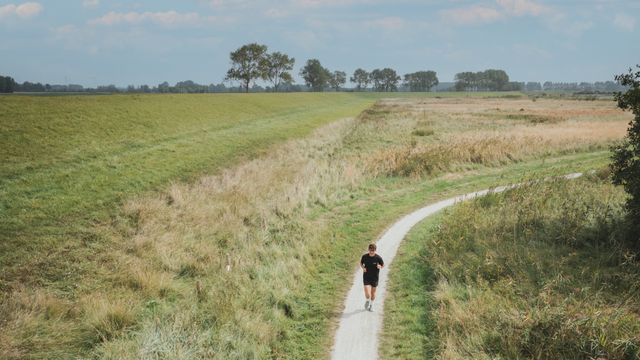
x=385 y=80
x=247 y=64
x=7 y=84
x=315 y=75
x=491 y=79
x=277 y=66
x=421 y=80
x=338 y=78
x=361 y=78
x=626 y=155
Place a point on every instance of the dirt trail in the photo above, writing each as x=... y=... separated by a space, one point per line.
x=359 y=330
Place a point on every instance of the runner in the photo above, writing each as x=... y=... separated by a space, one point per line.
x=371 y=263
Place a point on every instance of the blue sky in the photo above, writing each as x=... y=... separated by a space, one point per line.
x=93 y=42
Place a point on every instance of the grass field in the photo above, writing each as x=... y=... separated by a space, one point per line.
x=537 y=272
x=125 y=250
x=69 y=163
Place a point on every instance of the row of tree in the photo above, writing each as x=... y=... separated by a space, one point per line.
x=419 y=81
x=488 y=80
x=598 y=86
x=252 y=62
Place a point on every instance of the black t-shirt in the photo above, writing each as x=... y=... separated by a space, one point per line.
x=370 y=263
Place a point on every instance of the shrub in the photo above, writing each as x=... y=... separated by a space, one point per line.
x=626 y=155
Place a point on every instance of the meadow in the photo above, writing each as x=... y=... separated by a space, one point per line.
x=540 y=272
x=117 y=245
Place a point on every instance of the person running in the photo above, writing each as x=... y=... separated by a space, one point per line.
x=371 y=263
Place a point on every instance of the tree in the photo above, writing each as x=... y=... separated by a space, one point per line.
x=626 y=155
x=314 y=75
x=494 y=80
x=385 y=79
x=247 y=64
x=361 y=78
x=164 y=87
x=337 y=79
x=465 y=81
x=421 y=80
x=7 y=84
x=491 y=79
x=276 y=69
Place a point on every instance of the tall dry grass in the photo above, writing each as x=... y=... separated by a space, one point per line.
x=219 y=258
x=451 y=136
x=540 y=272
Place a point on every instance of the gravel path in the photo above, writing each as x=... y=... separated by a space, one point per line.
x=358 y=332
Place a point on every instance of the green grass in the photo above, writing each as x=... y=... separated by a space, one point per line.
x=69 y=162
x=410 y=306
x=537 y=272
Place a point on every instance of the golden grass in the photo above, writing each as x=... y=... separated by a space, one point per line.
x=489 y=132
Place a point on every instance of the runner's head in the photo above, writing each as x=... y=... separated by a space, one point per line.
x=372 y=248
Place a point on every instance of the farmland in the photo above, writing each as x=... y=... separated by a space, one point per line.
x=225 y=226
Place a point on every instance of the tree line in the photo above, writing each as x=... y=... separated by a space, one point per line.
x=252 y=63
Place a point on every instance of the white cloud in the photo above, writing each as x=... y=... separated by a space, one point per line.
x=24 y=11
x=479 y=14
x=562 y=24
x=471 y=15
x=168 y=18
x=325 y=3
x=220 y=4
x=90 y=3
x=624 y=22
x=523 y=7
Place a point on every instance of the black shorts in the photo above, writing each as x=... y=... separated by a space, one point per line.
x=370 y=280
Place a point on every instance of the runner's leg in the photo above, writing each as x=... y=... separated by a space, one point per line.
x=367 y=291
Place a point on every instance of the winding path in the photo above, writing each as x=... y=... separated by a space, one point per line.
x=358 y=332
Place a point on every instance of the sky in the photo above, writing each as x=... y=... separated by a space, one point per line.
x=101 y=42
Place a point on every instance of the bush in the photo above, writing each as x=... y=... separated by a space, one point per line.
x=626 y=155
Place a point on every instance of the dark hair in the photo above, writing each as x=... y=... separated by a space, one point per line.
x=372 y=247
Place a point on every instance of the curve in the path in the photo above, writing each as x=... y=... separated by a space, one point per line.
x=358 y=332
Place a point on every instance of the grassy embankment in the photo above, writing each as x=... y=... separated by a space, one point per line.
x=248 y=263
x=67 y=164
